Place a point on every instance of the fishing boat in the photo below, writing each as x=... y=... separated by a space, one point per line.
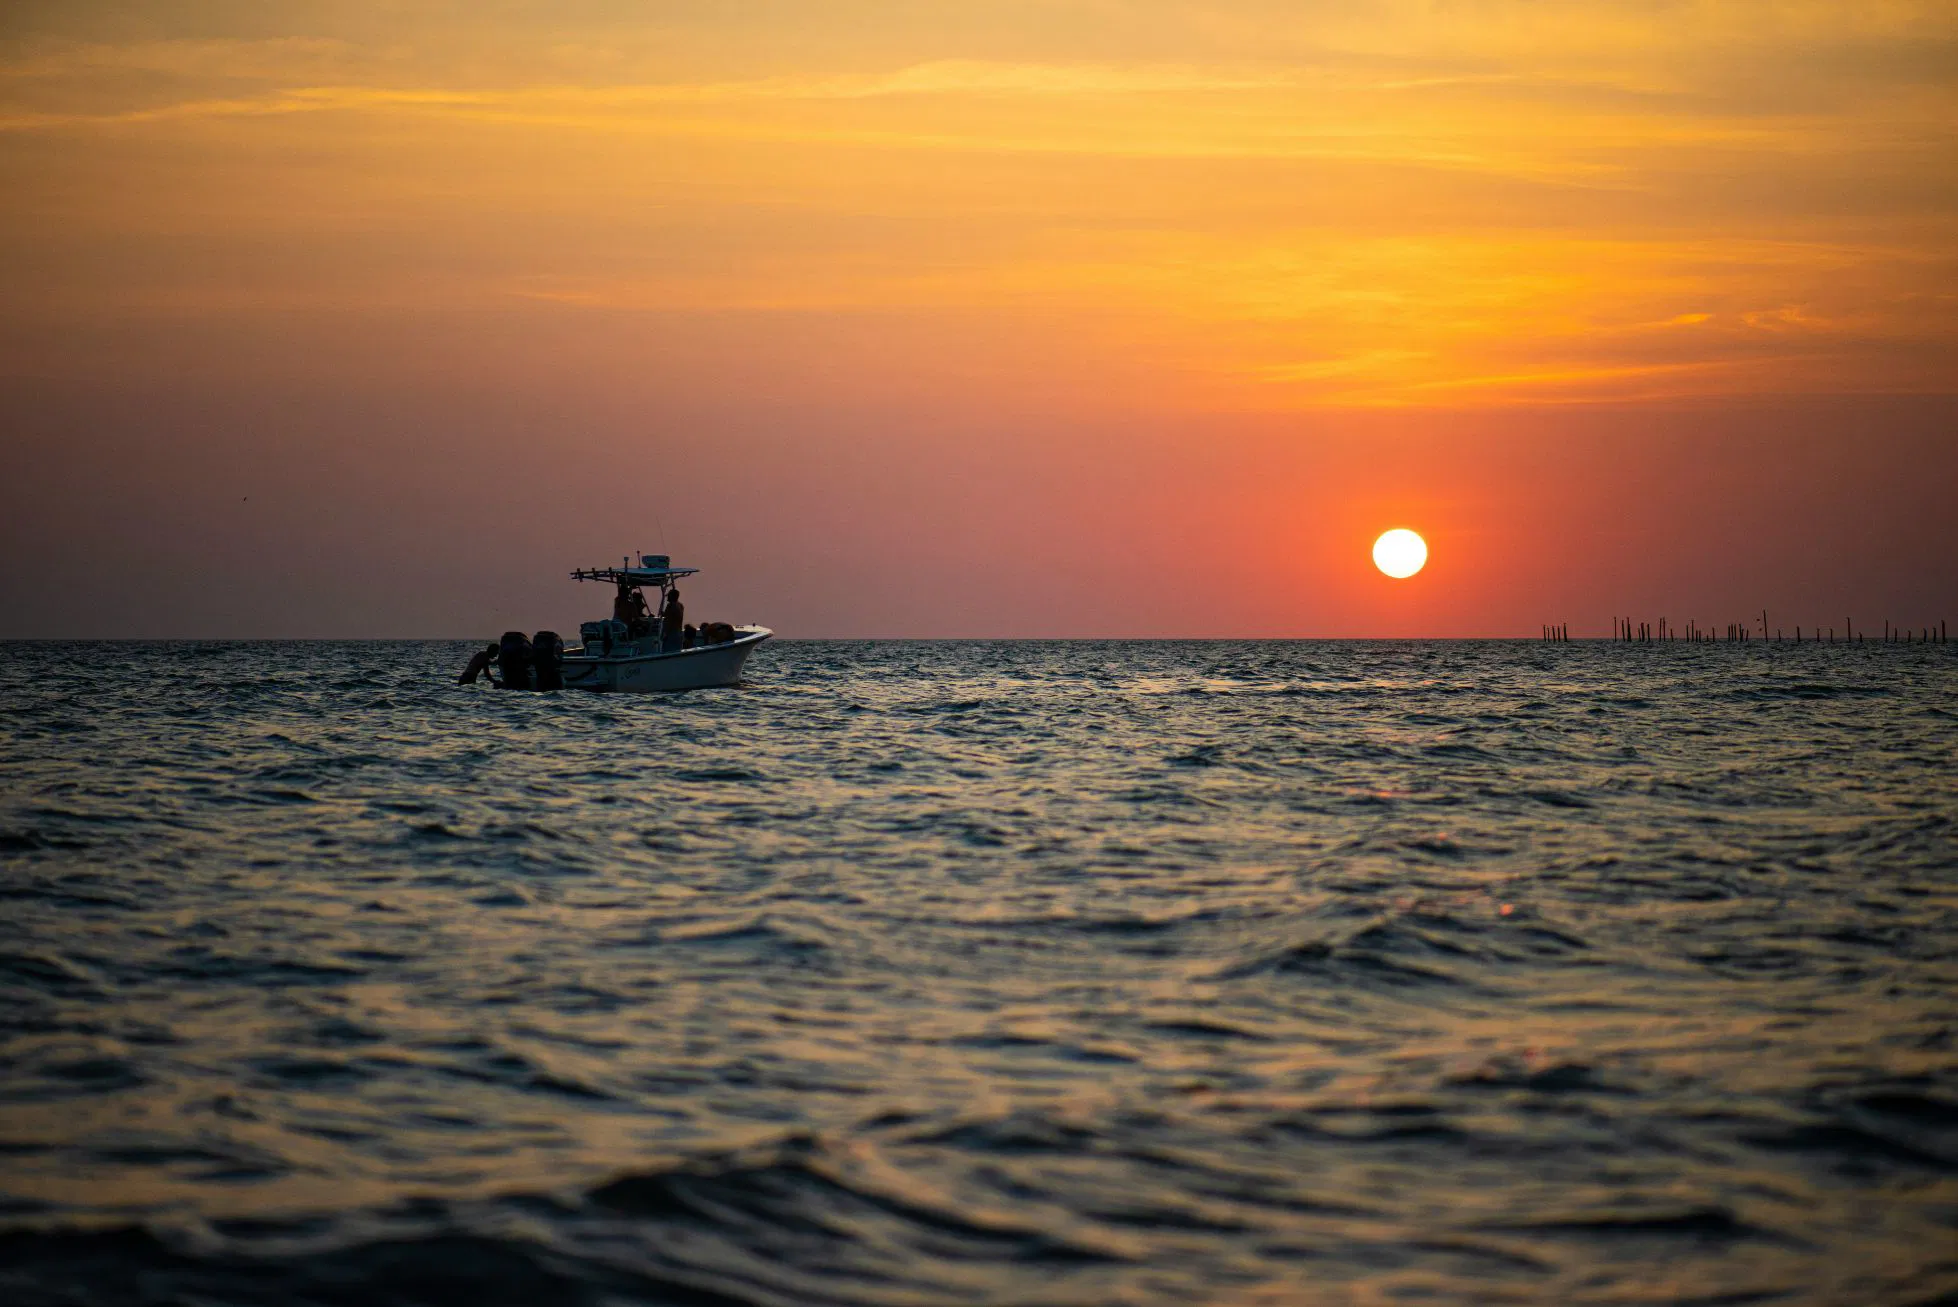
x=639 y=650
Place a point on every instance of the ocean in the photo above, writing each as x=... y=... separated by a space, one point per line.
x=982 y=973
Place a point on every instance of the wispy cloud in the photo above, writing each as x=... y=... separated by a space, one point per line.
x=1406 y=205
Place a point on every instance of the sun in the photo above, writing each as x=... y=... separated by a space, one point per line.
x=1400 y=553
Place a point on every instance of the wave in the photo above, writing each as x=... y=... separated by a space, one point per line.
x=1415 y=948
x=1769 y=693
x=791 y=1223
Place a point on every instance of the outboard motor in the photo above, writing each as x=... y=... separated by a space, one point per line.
x=547 y=660
x=513 y=660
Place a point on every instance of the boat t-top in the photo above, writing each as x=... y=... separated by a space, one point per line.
x=644 y=648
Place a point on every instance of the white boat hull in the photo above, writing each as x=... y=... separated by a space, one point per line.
x=633 y=667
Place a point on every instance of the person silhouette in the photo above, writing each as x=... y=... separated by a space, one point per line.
x=479 y=665
x=672 y=619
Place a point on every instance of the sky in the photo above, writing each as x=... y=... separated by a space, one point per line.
x=1030 y=318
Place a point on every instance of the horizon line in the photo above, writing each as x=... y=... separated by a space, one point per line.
x=1933 y=629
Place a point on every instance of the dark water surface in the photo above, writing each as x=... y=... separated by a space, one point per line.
x=982 y=973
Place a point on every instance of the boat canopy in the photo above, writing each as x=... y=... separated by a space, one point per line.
x=652 y=569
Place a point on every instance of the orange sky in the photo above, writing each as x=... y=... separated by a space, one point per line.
x=1019 y=318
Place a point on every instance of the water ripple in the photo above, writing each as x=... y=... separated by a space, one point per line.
x=1060 y=973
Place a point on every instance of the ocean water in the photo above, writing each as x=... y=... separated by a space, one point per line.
x=1003 y=973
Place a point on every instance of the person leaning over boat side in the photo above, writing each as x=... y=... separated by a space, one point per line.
x=672 y=616
x=479 y=665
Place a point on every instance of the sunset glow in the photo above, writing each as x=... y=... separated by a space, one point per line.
x=787 y=651
x=929 y=288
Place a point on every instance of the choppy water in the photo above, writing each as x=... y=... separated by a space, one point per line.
x=982 y=973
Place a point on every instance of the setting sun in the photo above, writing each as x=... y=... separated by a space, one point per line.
x=1400 y=553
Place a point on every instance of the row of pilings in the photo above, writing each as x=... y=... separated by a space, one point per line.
x=1626 y=630
x=1664 y=632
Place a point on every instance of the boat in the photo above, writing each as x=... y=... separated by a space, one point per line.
x=632 y=656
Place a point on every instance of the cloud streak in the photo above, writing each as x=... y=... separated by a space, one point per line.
x=1388 y=204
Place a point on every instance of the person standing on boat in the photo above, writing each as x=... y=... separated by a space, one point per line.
x=630 y=608
x=672 y=615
